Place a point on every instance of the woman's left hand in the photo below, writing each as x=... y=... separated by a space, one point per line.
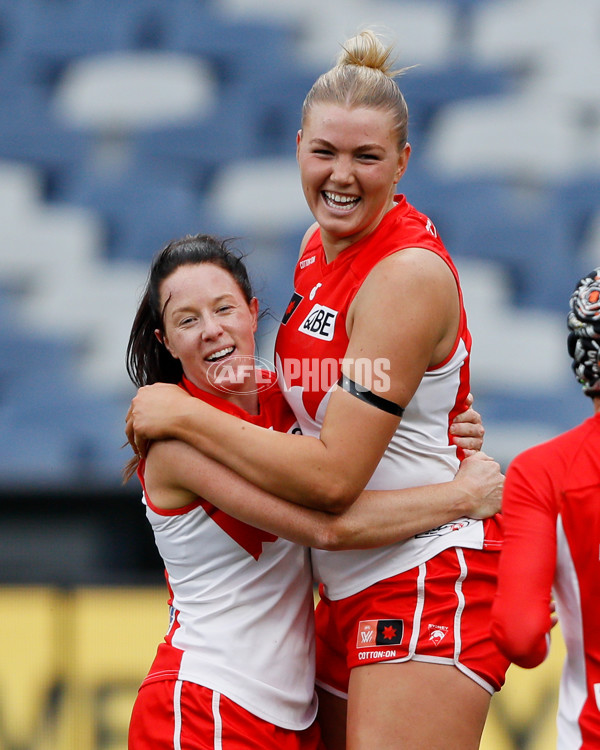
x=467 y=429
x=153 y=413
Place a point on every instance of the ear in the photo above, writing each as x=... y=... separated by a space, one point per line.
x=298 y=140
x=253 y=305
x=164 y=341
x=402 y=162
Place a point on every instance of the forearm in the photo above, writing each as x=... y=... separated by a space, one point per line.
x=377 y=518
x=326 y=473
x=380 y=517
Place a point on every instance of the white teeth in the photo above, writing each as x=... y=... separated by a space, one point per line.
x=338 y=201
x=219 y=354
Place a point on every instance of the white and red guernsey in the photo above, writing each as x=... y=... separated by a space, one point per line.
x=311 y=344
x=241 y=599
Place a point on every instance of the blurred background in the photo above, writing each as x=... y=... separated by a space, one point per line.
x=127 y=123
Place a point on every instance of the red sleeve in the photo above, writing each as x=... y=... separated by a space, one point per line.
x=521 y=612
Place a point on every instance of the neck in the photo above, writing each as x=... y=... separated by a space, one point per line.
x=246 y=401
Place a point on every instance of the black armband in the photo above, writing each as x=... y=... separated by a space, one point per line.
x=364 y=394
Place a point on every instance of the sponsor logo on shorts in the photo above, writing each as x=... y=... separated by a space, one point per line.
x=381 y=654
x=447 y=528
x=379 y=633
x=437 y=633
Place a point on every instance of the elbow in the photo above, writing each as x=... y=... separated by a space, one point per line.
x=333 y=535
x=525 y=648
x=334 y=496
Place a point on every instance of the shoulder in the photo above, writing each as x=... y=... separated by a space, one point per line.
x=307 y=235
x=413 y=270
x=164 y=474
x=569 y=451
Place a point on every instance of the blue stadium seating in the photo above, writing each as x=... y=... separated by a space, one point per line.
x=141 y=212
x=55 y=431
x=29 y=132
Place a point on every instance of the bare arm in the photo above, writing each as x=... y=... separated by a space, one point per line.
x=176 y=473
x=354 y=435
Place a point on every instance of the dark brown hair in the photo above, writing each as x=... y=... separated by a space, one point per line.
x=148 y=361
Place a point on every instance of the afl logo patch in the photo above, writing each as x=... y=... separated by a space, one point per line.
x=320 y=323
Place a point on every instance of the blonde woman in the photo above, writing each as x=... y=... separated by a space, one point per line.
x=402 y=630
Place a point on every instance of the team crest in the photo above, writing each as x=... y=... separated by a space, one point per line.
x=437 y=633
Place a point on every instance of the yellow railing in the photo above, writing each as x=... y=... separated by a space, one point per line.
x=71 y=663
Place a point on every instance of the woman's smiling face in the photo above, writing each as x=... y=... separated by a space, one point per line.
x=208 y=325
x=350 y=164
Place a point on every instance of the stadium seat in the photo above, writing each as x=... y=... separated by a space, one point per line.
x=43 y=243
x=260 y=197
x=55 y=33
x=288 y=12
x=590 y=245
x=534 y=35
x=423 y=32
x=532 y=243
x=35 y=458
x=520 y=228
x=511 y=137
x=190 y=153
x=20 y=189
x=577 y=201
x=236 y=52
x=140 y=209
x=83 y=429
x=30 y=133
x=428 y=90
x=118 y=92
x=105 y=297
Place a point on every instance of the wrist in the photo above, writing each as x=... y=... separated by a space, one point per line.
x=466 y=499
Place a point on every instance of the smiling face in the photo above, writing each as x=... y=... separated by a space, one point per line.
x=350 y=164
x=209 y=326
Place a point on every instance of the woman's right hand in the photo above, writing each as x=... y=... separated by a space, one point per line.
x=484 y=482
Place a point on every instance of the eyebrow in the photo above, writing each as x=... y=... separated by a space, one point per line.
x=362 y=147
x=216 y=301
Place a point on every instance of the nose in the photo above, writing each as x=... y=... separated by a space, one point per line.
x=341 y=172
x=212 y=328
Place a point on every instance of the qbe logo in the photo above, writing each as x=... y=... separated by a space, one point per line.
x=320 y=323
